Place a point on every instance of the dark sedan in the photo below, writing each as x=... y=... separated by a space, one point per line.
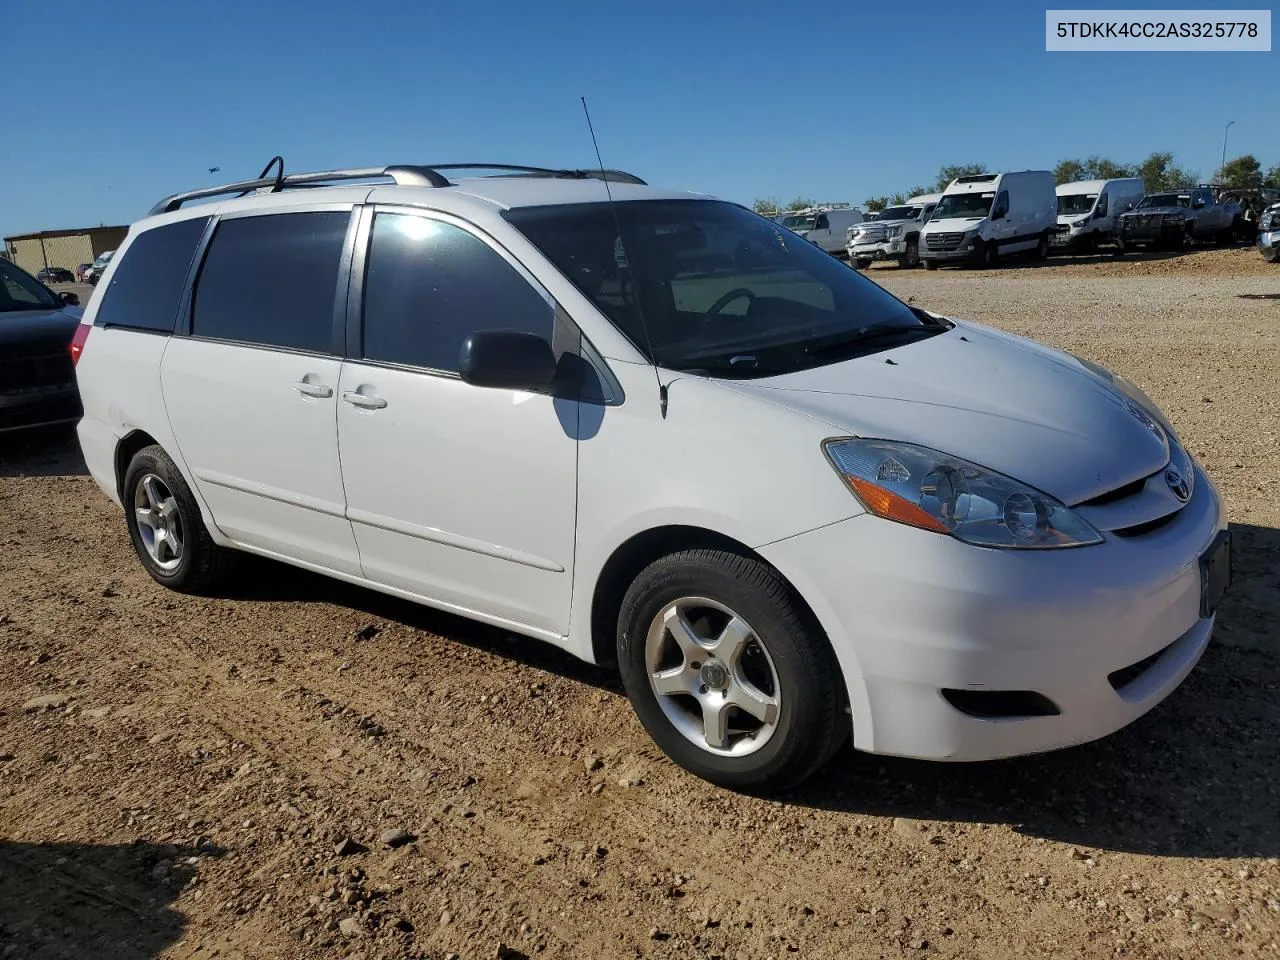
x=56 y=275
x=37 y=378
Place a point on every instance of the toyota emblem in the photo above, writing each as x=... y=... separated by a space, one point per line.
x=1178 y=484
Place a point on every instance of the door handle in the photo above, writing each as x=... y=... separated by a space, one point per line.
x=363 y=400
x=313 y=389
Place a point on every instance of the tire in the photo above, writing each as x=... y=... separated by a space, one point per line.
x=175 y=548
x=1042 y=248
x=988 y=257
x=1120 y=249
x=861 y=263
x=1227 y=237
x=911 y=259
x=930 y=264
x=784 y=648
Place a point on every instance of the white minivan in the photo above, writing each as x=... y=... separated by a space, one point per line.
x=983 y=217
x=1087 y=211
x=658 y=431
x=824 y=227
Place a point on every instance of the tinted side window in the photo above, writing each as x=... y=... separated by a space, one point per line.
x=272 y=280
x=148 y=281
x=823 y=223
x=1102 y=206
x=429 y=284
x=1002 y=203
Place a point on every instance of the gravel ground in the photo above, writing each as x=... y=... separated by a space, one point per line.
x=224 y=776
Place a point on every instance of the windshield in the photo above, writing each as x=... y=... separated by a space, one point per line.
x=20 y=291
x=1073 y=204
x=720 y=290
x=969 y=205
x=1165 y=200
x=103 y=260
x=899 y=213
x=797 y=221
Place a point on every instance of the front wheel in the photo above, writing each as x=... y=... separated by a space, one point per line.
x=165 y=525
x=861 y=263
x=911 y=258
x=930 y=264
x=1042 y=248
x=728 y=671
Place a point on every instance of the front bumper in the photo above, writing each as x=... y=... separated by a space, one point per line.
x=911 y=613
x=1165 y=233
x=1269 y=245
x=884 y=250
x=39 y=407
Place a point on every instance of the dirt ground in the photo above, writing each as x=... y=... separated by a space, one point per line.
x=215 y=777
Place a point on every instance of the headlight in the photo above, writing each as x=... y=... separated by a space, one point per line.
x=1080 y=223
x=893 y=232
x=930 y=490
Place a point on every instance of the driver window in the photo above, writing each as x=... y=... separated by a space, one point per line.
x=823 y=223
x=1002 y=204
x=1101 y=210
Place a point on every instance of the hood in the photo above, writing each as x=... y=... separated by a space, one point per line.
x=953 y=224
x=30 y=332
x=1155 y=210
x=1025 y=410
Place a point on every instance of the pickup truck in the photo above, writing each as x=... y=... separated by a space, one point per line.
x=1269 y=233
x=1174 y=218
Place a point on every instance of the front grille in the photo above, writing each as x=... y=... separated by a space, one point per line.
x=1063 y=229
x=1138 y=529
x=869 y=236
x=1121 y=678
x=1119 y=493
x=943 y=241
x=24 y=374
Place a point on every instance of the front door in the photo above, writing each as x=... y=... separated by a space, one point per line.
x=463 y=495
x=251 y=391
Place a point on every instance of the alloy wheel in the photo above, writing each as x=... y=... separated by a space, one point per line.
x=712 y=676
x=159 y=521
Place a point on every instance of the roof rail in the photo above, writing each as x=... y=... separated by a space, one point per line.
x=404 y=175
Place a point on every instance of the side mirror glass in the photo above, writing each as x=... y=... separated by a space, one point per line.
x=507 y=359
x=69 y=298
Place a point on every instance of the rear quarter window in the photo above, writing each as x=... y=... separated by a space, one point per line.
x=147 y=284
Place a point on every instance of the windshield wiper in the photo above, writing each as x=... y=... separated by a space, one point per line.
x=871 y=335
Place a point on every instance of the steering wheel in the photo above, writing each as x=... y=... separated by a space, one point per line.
x=728 y=298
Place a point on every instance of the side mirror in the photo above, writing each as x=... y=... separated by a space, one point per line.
x=1197 y=203
x=507 y=359
x=69 y=298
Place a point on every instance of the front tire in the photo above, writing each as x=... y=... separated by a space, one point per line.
x=910 y=259
x=728 y=671
x=930 y=264
x=1042 y=248
x=165 y=525
x=862 y=263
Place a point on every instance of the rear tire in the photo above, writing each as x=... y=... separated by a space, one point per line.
x=736 y=608
x=165 y=525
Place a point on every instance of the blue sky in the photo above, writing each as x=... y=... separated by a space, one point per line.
x=108 y=108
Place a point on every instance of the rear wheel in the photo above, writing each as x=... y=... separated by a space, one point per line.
x=911 y=258
x=165 y=525
x=728 y=671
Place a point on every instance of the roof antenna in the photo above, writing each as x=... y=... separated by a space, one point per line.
x=662 y=389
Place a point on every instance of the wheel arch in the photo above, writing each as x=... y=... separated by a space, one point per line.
x=635 y=553
x=126 y=449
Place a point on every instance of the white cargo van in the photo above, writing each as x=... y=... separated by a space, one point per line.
x=987 y=216
x=825 y=227
x=1087 y=210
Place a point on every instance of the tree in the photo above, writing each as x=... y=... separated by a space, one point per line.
x=1158 y=172
x=876 y=204
x=1094 y=168
x=1068 y=171
x=1100 y=168
x=948 y=173
x=1272 y=176
x=801 y=203
x=767 y=206
x=1244 y=172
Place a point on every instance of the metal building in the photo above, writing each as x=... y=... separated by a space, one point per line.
x=62 y=248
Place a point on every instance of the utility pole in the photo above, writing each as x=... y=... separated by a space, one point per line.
x=1224 y=146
